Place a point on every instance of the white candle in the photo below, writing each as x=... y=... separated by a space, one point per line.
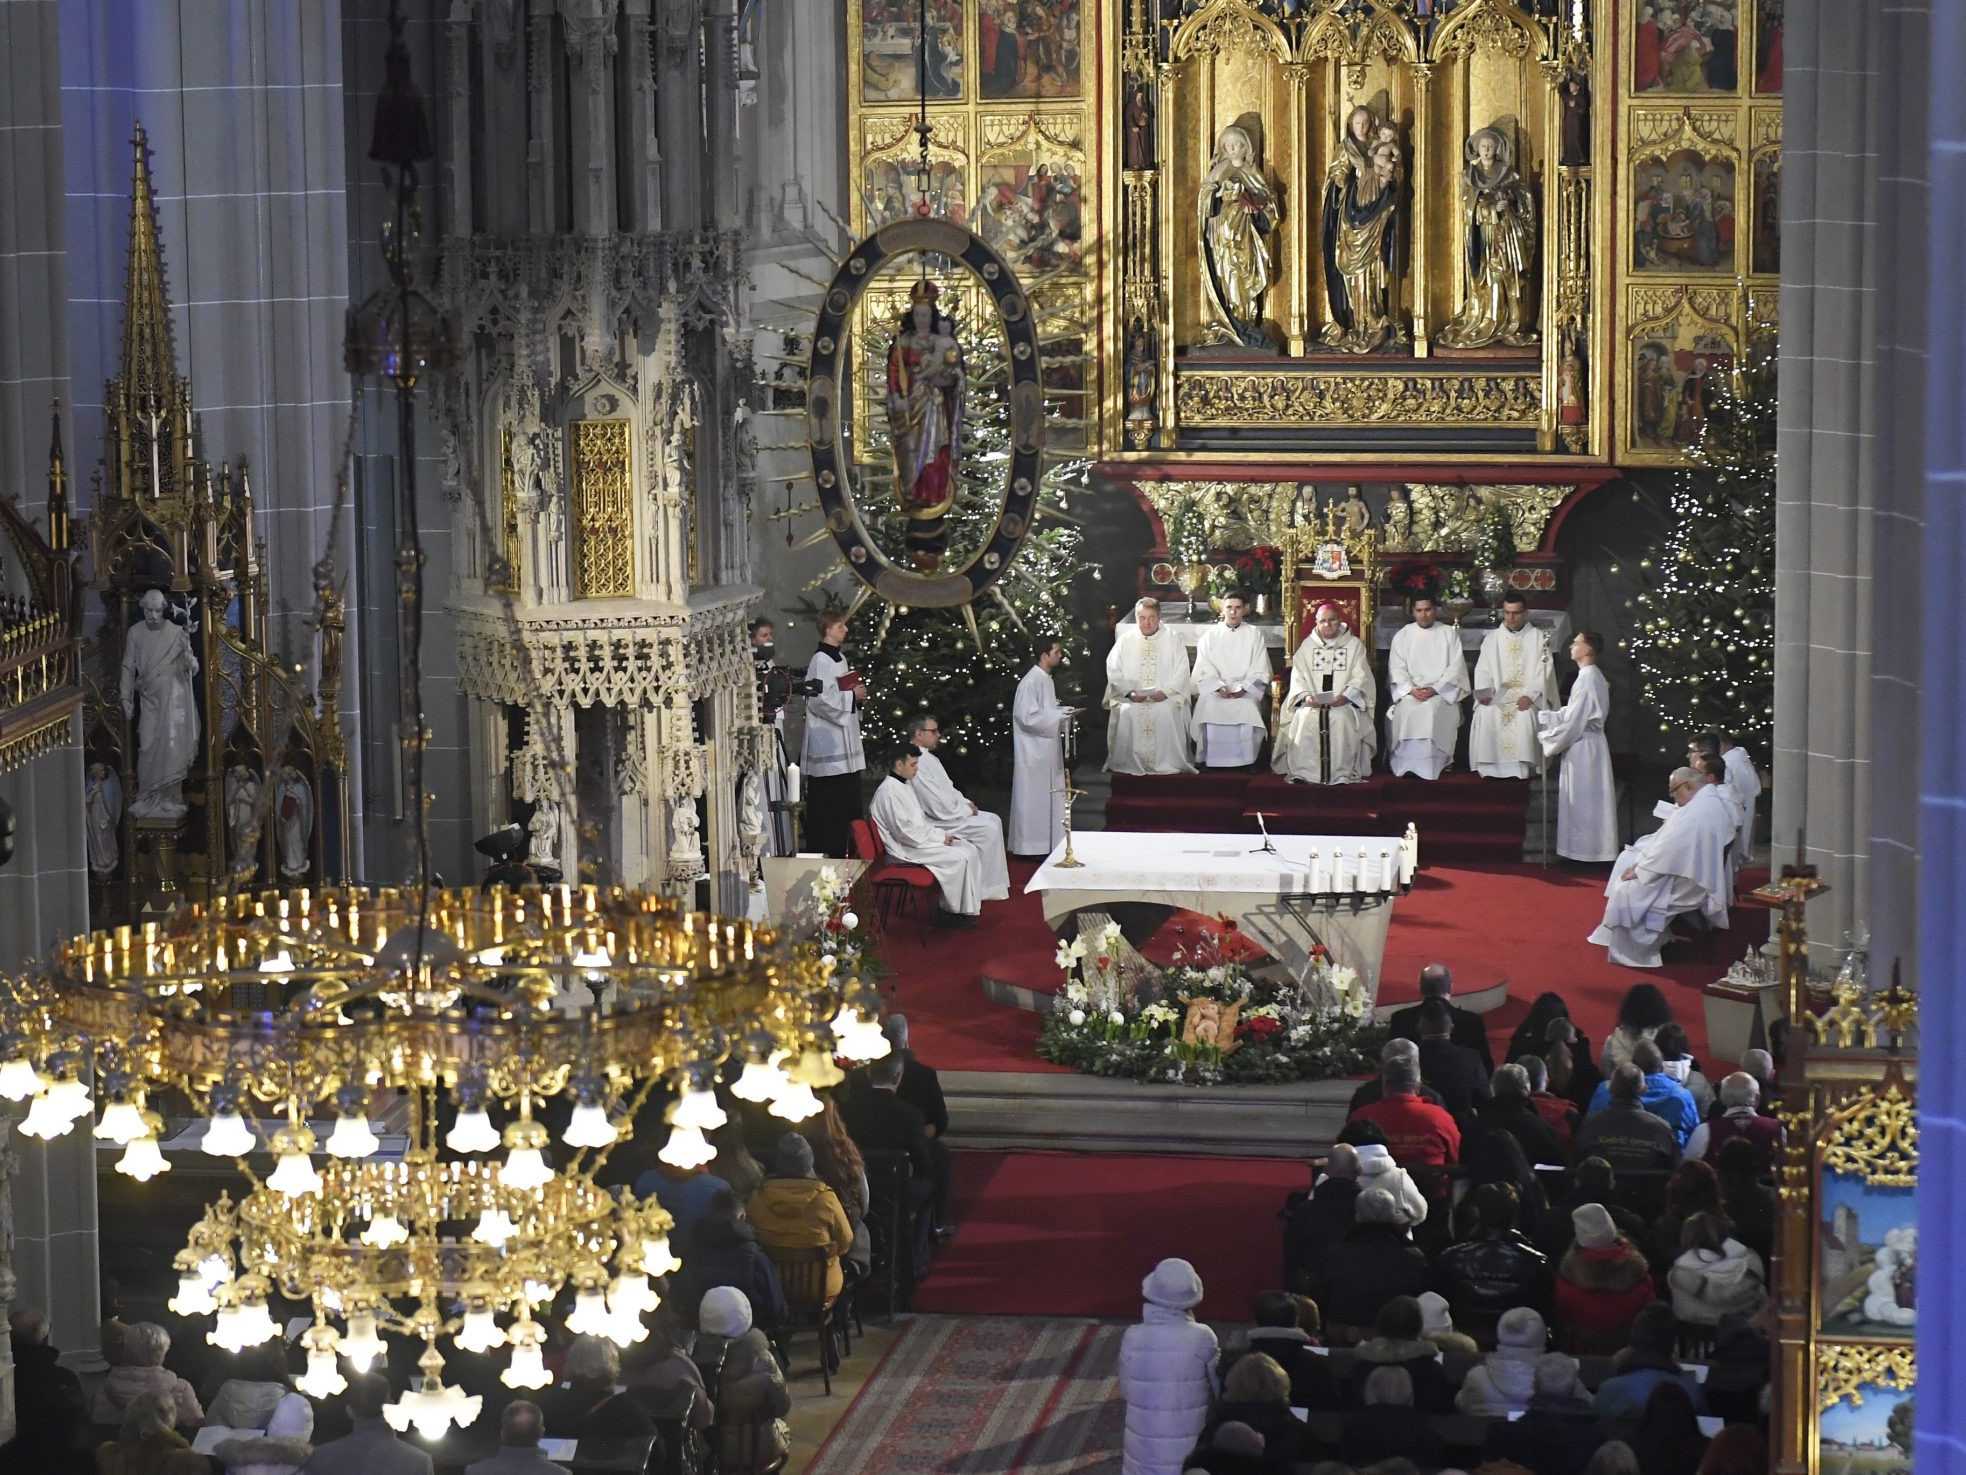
x=1371 y=872
x=792 y=783
x=1344 y=872
x=1320 y=873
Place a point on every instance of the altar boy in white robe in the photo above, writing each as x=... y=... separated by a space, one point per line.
x=1147 y=696
x=1037 y=772
x=945 y=805
x=1745 y=780
x=1327 y=733
x=1514 y=679
x=1586 y=796
x=1429 y=674
x=1680 y=867
x=908 y=835
x=1232 y=672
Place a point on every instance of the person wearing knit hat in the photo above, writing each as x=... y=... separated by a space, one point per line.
x=1458 y=1351
x=1602 y=1282
x=1376 y=1169
x=1506 y=1379
x=750 y=1395
x=280 y=1449
x=1376 y=1261
x=1641 y=1367
x=794 y=1210
x=1166 y=1372
x=1558 y=1430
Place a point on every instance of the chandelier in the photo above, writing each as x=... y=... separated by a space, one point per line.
x=303 y=1006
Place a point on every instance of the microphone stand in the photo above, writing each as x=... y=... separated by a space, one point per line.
x=1269 y=846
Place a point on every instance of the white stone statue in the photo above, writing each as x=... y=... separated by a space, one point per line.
x=751 y=813
x=543 y=848
x=158 y=668
x=685 y=843
x=293 y=819
x=242 y=788
x=103 y=810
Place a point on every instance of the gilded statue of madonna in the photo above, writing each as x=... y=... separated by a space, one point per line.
x=1499 y=217
x=1361 y=235
x=925 y=381
x=1235 y=213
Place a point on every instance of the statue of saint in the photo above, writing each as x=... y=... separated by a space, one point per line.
x=242 y=814
x=1361 y=235
x=103 y=813
x=1358 y=516
x=158 y=668
x=293 y=819
x=925 y=385
x=1499 y=217
x=543 y=830
x=1399 y=519
x=1235 y=213
x=1139 y=374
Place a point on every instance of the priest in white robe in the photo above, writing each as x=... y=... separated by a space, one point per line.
x=908 y=835
x=1429 y=675
x=946 y=805
x=1586 y=796
x=1148 y=694
x=1514 y=680
x=1231 y=677
x=1745 y=780
x=1037 y=773
x=1680 y=867
x=1327 y=732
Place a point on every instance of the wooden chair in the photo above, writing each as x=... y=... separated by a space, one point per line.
x=890 y=1226
x=803 y=1273
x=895 y=883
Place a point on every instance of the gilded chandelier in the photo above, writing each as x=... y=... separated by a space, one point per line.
x=298 y=1006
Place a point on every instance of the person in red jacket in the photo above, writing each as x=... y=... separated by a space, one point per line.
x=1602 y=1283
x=1418 y=1133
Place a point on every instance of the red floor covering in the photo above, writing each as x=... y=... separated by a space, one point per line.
x=1065 y=1234
x=1519 y=922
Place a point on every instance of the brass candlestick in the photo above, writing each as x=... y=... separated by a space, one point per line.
x=1069 y=861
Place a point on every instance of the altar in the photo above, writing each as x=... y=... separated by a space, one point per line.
x=1334 y=891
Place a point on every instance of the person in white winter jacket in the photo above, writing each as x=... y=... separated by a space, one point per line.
x=1167 y=1372
x=1376 y=1169
x=279 y=1449
x=1715 y=1273
x=1505 y=1380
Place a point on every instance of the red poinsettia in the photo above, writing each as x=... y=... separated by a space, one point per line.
x=1261 y=1027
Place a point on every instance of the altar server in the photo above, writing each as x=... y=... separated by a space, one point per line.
x=830 y=757
x=1327 y=735
x=908 y=835
x=1037 y=773
x=1148 y=693
x=1745 y=781
x=1232 y=672
x=1429 y=674
x=1514 y=679
x=945 y=805
x=1715 y=789
x=1680 y=867
x=1586 y=798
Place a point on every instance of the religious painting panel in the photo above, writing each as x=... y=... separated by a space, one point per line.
x=1031 y=201
x=1866 y=1258
x=1029 y=48
x=891 y=184
x=1865 y=1400
x=1769 y=19
x=890 y=56
x=1680 y=338
x=1765 y=198
x=1683 y=212
x=1686 y=46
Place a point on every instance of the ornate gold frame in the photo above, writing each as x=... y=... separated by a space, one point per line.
x=1300 y=545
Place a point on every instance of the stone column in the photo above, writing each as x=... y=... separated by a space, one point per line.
x=679 y=113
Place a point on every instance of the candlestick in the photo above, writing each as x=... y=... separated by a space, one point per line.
x=1068 y=861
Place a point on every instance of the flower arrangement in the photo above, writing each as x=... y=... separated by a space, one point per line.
x=1259 y=571
x=1494 y=544
x=1208 y=1018
x=1193 y=517
x=827 y=919
x=1417 y=581
x=1458 y=589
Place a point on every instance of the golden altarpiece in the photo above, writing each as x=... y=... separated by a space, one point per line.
x=265 y=801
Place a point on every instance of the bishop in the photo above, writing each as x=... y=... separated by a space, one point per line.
x=1232 y=671
x=1148 y=693
x=945 y=805
x=908 y=834
x=1327 y=737
x=1429 y=675
x=1514 y=680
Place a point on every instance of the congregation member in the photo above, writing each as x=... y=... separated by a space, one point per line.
x=921 y=1084
x=1325 y=732
x=1386 y=1428
x=946 y=806
x=1602 y=1282
x=1258 y=1393
x=1679 y=868
x=521 y=1426
x=38 y=1372
x=145 y=1346
x=1511 y=1108
x=1166 y=1372
x=1278 y=1331
x=1504 y=1382
x=1667 y=1440
x=796 y=1210
x=1558 y=1113
x=724 y=1251
x=1693 y=1188
x=831 y=758
x=1377 y=1169
x=371 y=1446
x=906 y=832
x=1557 y=1431
x=1437 y=982
x=1399 y=1340
x=881 y=1121
x=1321 y=1218
x=1715 y=1274
x=1375 y=1262
x=1592 y=1181
x=1428 y=672
x=1418 y=1133
x=1037 y=774
x=1740 y=1117
x=1750 y=1204
x=1646 y=1359
x=1677 y=1052
x=1495 y=1271
x=146 y=1444
x=1458 y=1351
x=1642 y=1013
x=1455 y=1071
x=1371 y=1090
x=1661 y=1094
x=751 y=1399
x=1231 y=676
x=1623 y=1132
x=1149 y=694
x=1586 y=796
x=1514 y=680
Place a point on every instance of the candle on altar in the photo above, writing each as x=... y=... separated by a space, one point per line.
x=1320 y=872
x=792 y=783
x=1409 y=853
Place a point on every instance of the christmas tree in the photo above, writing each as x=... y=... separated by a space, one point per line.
x=1705 y=637
x=927 y=660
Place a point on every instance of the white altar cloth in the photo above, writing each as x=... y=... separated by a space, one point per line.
x=1270 y=897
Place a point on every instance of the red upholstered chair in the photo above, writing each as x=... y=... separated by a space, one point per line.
x=895 y=883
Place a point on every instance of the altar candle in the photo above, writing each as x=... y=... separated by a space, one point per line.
x=792 y=783
x=1371 y=872
x=1409 y=854
x=1344 y=872
x=1320 y=872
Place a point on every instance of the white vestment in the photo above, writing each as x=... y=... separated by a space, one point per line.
x=1586 y=797
x=944 y=805
x=1746 y=784
x=908 y=835
x=1329 y=742
x=1680 y=867
x=1502 y=737
x=831 y=745
x=1037 y=772
x=1229 y=730
x=1420 y=735
x=158 y=668
x=1151 y=736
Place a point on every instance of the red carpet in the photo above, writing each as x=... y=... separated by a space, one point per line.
x=1519 y=922
x=1106 y=1220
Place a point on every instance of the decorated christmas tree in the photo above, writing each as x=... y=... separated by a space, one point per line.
x=1704 y=642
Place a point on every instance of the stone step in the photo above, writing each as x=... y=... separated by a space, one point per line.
x=1064 y=1112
